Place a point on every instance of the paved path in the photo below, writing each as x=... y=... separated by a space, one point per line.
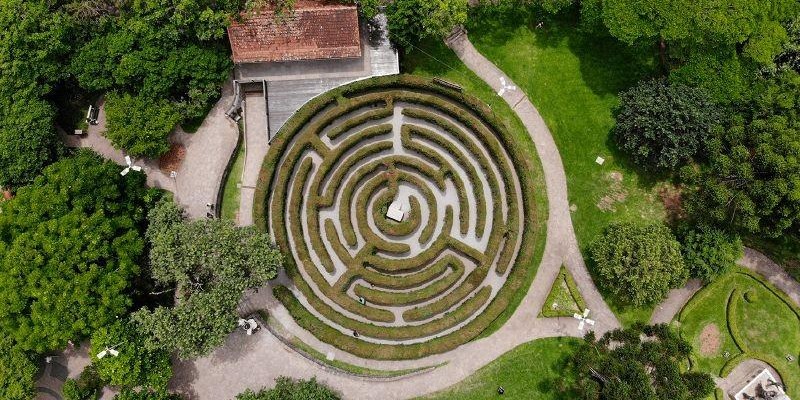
x=255 y=361
x=207 y=153
x=752 y=260
x=255 y=149
x=672 y=305
x=562 y=245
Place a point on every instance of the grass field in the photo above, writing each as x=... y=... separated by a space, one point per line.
x=231 y=191
x=574 y=82
x=740 y=313
x=525 y=372
x=433 y=59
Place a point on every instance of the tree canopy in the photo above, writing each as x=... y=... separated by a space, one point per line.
x=642 y=362
x=17 y=372
x=69 y=245
x=166 y=58
x=639 y=263
x=136 y=366
x=140 y=125
x=750 y=183
x=709 y=252
x=209 y=263
x=715 y=45
x=34 y=39
x=412 y=20
x=662 y=126
x=291 y=389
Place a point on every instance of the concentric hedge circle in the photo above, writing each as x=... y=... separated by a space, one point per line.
x=428 y=283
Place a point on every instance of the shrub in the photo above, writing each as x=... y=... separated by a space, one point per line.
x=291 y=389
x=140 y=125
x=639 y=264
x=86 y=387
x=411 y=20
x=709 y=252
x=662 y=126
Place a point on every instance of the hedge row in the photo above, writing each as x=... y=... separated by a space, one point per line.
x=270 y=176
x=364 y=118
x=407 y=226
x=404 y=298
x=463 y=204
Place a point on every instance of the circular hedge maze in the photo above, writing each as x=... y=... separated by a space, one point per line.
x=374 y=286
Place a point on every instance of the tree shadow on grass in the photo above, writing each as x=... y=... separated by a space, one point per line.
x=607 y=65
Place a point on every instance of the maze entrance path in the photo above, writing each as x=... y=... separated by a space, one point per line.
x=370 y=285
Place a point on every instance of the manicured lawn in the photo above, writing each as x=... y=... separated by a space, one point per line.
x=231 y=192
x=433 y=59
x=526 y=372
x=751 y=317
x=574 y=80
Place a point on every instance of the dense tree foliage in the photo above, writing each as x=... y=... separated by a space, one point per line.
x=135 y=366
x=140 y=125
x=130 y=394
x=209 y=263
x=290 y=389
x=412 y=20
x=87 y=386
x=639 y=264
x=33 y=42
x=716 y=45
x=751 y=181
x=790 y=57
x=17 y=372
x=168 y=55
x=709 y=252
x=661 y=126
x=69 y=244
x=643 y=362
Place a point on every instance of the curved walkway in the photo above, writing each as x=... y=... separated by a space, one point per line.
x=752 y=260
x=207 y=153
x=252 y=362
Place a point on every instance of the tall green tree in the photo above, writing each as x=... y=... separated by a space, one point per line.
x=140 y=125
x=642 y=362
x=751 y=180
x=291 y=389
x=409 y=21
x=709 y=252
x=700 y=37
x=136 y=366
x=210 y=263
x=662 y=126
x=168 y=58
x=17 y=372
x=639 y=263
x=69 y=245
x=34 y=39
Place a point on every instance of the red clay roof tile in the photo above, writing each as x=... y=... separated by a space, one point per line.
x=314 y=29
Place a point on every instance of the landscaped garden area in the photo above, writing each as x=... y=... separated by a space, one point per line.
x=518 y=374
x=428 y=283
x=740 y=316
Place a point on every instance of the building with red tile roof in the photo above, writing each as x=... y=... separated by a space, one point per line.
x=311 y=30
